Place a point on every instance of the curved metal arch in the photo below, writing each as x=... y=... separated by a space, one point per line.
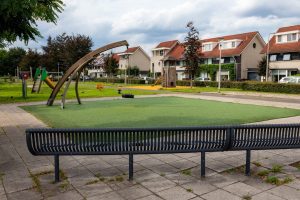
x=80 y=64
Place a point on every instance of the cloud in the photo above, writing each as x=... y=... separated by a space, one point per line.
x=146 y=23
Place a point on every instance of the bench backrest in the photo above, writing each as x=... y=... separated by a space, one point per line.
x=277 y=136
x=162 y=140
x=124 y=141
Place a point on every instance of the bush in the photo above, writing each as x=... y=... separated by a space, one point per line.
x=121 y=80
x=248 y=86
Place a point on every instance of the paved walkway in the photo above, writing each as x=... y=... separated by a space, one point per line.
x=176 y=176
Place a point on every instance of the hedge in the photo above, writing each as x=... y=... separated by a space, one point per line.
x=121 y=80
x=212 y=69
x=248 y=85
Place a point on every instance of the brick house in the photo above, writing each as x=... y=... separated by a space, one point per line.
x=241 y=52
x=283 y=51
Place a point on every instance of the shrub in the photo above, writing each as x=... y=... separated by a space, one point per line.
x=248 y=86
x=121 y=80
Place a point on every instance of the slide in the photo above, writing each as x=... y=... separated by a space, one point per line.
x=49 y=83
x=41 y=75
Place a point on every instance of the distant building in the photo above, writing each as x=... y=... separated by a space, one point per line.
x=283 y=51
x=243 y=51
x=158 y=54
x=135 y=56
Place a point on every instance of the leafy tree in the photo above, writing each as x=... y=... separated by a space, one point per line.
x=18 y=18
x=262 y=66
x=31 y=59
x=65 y=50
x=3 y=56
x=192 y=45
x=133 y=71
x=110 y=65
x=11 y=61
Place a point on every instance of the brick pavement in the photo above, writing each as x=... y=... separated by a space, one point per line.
x=175 y=176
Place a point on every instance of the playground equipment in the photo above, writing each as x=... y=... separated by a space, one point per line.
x=169 y=77
x=75 y=70
x=40 y=76
x=24 y=76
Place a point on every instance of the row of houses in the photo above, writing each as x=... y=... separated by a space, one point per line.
x=240 y=53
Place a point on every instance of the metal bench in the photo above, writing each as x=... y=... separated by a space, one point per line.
x=60 y=142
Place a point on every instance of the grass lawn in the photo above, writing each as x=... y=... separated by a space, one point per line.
x=12 y=92
x=155 y=112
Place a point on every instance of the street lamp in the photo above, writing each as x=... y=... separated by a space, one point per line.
x=220 y=57
x=126 y=67
x=268 y=49
x=235 y=67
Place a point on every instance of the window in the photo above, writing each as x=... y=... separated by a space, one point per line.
x=287 y=57
x=233 y=44
x=207 y=47
x=273 y=57
x=279 y=38
x=291 y=37
x=295 y=56
x=279 y=57
x=254 y=45
x=161 y=52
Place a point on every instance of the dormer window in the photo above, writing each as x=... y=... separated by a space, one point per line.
x=209 y=46
x=279 y=38
x=287 y=37
x=291 y=37
x=230 y=44
x=233 y=44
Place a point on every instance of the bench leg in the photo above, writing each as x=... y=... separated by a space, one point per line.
x=248 y=162
x=56 y=168
x=202 y=164
x=130 y=167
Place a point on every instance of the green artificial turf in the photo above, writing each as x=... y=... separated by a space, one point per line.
x=155 y=112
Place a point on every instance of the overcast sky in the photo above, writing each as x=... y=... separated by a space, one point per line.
x=148 y=22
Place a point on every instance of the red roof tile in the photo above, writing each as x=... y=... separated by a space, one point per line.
x=167 y=44
x=176 y=53
x=283 y=47
x=288 y=28
x=131 y=50
x=245 y=37
x=116 y=56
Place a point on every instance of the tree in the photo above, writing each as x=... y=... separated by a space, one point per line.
x=31 y=59
x=133 y=71
x=11 y=61
x=192 y=45
x=65 y=50
x=110 y=65
x=262 y=66
x=3 y=55
x=18 y=18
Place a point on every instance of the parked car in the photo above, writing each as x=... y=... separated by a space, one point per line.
x=148 y=78
x=85 y=77
x=290 y=79
x=202 y=79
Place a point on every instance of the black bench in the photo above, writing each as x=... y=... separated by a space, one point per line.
x=127 y=141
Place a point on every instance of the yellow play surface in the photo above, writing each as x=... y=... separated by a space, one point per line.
x=155 y=87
